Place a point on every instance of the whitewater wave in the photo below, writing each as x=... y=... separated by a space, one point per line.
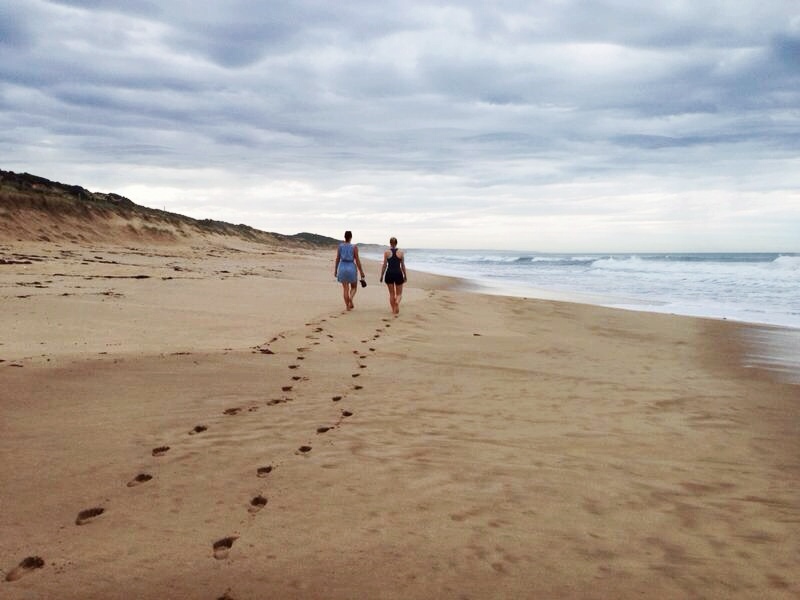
x=786 y=265
x=556 y=260
x=633 y=263
x=787 y=262
x=499 y=259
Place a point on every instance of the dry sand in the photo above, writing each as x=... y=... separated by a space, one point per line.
x=241 y=436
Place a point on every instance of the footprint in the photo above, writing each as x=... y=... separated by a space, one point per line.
x=336 y=398
x=286 y=388
x=198 y=429
x=323 y=429
x=87 y=515
x=296 y=378
x=358 y=387
x=31 y=563
x=160 y=451
x=372 y=349
x=362 y=366
x=304 y=449
x=232 y=411
x=293 y=366
x=347 y=413
x=223 y=547
x=300 y=358
x=264 y=471
x=355 y=375
x=302 y=349
x=139 y=479
x=257 y=503
x=275 y=401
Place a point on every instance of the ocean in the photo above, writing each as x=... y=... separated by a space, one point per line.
x=758 y=288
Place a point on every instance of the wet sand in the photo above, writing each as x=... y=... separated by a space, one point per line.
x=208 y=422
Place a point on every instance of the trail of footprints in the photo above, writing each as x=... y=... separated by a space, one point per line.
x=221 y=548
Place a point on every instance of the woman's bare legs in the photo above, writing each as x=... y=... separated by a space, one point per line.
x=348 y=302
x=353 y=290
x=395 y=295
x=398 y=295
x=392 y=297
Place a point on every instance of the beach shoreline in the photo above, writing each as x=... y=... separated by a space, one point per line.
x=474 y=446
x=770 y=348
x=744 y=287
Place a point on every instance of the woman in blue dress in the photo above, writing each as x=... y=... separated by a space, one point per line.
x=345 y=269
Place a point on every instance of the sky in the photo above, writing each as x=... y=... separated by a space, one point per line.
x=554 y=125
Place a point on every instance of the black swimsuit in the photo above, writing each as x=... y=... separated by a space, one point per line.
x=394 y=274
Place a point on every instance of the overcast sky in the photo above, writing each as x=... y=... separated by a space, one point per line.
x=554 y=125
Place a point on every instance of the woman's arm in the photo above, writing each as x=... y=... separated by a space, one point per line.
x=336 y=264
x=403 y=265
x=358 y=261
x=383 y=266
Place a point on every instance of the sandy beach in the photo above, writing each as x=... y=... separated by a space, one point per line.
x=204 y=420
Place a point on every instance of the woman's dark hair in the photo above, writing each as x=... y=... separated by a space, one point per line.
x=348 y=235
x=393 y=240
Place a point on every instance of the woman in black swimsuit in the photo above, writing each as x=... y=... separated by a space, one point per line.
x=393 y=271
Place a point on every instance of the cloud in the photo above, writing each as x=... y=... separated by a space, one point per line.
x=15 y=27
x=309 y=115
x=785 y=48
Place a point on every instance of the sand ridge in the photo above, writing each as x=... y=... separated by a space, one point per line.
x=256 y=439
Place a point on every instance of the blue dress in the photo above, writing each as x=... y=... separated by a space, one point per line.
x=346 y=273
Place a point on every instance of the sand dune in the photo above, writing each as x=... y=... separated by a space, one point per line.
x=33 y=208
x=206 y=421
